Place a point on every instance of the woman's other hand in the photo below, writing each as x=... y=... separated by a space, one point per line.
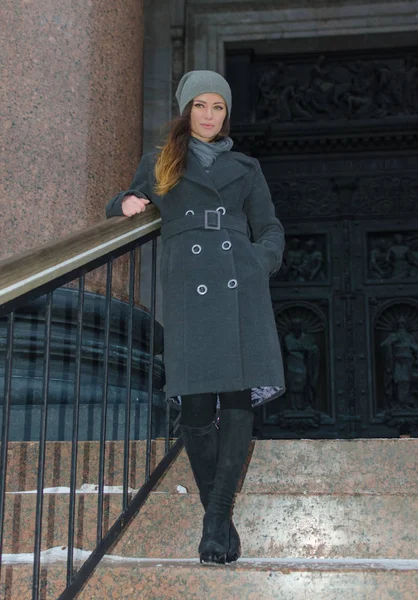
x=132 y=205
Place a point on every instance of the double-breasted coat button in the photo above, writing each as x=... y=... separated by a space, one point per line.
x=226 y=245
x=196 y=249
x=232 y=283
x=189 y=212
x=221 y=210
x=202 y=289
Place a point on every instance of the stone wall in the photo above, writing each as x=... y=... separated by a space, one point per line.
x=73 y=114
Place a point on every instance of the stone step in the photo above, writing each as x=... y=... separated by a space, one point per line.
x=270 y=525
x=306 y=526
x=372 y=466
x=19 y=524
x=319 y=467
x=246 y=580
x=378 y=466
x=22 y=463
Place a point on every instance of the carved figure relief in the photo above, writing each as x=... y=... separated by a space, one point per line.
x=295 y=257
x=304 y=197
x=308 y=198
x=385 y=195
x=301 y=331
x=377 y=263
x=398 y=354
x=337 y=89
x=302 y=362
x=313 y=267
x=304 y=260
x=393 y=256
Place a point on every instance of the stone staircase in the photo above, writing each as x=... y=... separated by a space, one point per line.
x=318 y=520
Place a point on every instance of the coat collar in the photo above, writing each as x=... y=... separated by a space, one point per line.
x=224 y=171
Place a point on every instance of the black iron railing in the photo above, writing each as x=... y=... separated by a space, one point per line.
x=42 y=278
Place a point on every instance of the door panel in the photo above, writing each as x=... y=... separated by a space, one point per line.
x=337 y=138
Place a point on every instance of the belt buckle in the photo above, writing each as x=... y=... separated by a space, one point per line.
x=210 y=221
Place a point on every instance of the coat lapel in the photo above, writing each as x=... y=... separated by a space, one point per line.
x=196 y=173
x=224 y=171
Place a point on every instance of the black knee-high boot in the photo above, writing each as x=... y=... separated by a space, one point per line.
x=234 y=440
x=201 y=445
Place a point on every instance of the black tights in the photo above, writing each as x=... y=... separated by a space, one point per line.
x=198 y=410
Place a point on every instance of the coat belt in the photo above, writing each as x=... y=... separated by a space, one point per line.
x=210 y=220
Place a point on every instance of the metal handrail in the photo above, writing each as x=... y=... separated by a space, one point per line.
x=28 y=270
x=38 y=273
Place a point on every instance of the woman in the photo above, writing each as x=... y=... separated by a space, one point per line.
x=220 y=242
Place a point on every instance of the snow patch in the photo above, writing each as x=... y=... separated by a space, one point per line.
x=86 y=488
x=59 y=554
x=52 y=555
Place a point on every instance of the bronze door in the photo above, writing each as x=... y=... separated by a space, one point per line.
x=346 y=299
x=337 y=137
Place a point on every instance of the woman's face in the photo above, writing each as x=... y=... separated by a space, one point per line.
x=207 y=116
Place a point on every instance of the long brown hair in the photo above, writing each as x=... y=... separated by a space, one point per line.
x=172 y=160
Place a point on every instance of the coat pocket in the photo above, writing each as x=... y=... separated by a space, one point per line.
x=263 y=256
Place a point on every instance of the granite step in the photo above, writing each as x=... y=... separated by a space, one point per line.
x=344 y=511
x=270 y=525
x=273 y=526
x=248 y=580
x=287 y=579
x=274 y=466
x=22 y=463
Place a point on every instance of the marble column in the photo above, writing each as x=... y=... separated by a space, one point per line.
x=72 y=102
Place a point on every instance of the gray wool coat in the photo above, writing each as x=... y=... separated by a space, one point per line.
x=219 y=328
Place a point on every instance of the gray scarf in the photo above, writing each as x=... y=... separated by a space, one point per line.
x=206 y=152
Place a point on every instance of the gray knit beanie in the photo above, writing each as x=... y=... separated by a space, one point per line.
x=194 y=83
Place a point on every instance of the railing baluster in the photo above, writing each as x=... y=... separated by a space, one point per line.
x=167 y=428
x=77 y=577
x=104 y=403
x=6 y=422
x=151 y=352
x=128 y=380
x=176 y=424
x=74 y=443
x=41 y=455
x=120 y=525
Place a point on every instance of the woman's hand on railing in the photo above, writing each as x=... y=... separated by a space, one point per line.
x=132 y=205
